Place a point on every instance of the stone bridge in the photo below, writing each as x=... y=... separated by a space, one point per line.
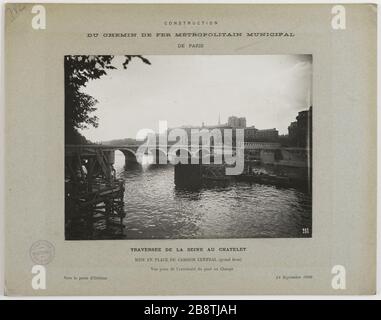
x=160 y=153
x=267 y=153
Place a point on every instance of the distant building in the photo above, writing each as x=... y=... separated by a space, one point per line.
x=236 y=122
x=300 y=131
x=267 y=135
x=250 y=133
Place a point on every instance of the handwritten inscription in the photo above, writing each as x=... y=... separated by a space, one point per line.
x=12 y=12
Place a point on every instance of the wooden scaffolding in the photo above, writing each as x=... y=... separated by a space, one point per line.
x=94 y=196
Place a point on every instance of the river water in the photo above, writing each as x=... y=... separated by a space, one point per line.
x=156 y=209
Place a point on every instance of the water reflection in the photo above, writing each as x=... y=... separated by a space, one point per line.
x=156 y=209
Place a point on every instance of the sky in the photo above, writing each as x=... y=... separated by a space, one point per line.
x=269 y=90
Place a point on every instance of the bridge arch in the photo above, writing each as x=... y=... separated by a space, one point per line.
x=208 y=155
x=180 y=155
x=201 y=155
x=129 y=155
x=160 y=155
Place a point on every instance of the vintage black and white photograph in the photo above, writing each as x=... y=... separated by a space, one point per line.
x=188 y=146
